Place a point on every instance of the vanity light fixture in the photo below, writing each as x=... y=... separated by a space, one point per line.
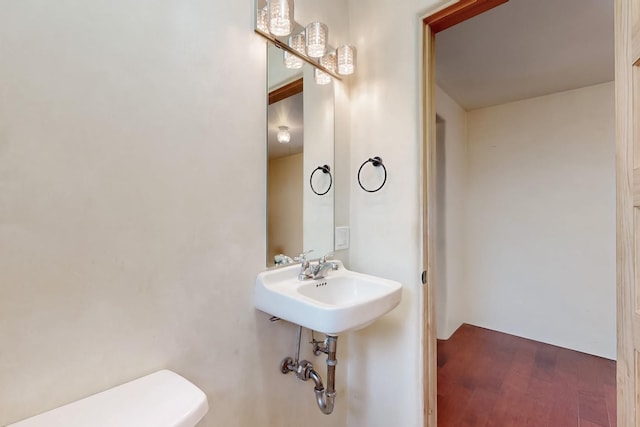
x=316 y=34
x=346 y=58
x=297 y=43
x=329 y=62
x=308 y=44
x=280 y=17
x=283 y=136
x=263 y=19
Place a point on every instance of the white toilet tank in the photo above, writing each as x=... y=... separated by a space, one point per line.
x=162 y=399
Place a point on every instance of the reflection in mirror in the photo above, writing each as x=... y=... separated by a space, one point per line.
x=298 y=219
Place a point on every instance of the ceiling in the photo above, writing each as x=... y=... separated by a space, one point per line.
x=287 y=112
x=526 y=48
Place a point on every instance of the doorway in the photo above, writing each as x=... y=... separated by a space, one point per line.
x=456 y=14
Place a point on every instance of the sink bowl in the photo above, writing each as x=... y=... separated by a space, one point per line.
x=343 y=301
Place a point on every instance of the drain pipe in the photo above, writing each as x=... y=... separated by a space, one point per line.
x=304 y=371
x=326 y=399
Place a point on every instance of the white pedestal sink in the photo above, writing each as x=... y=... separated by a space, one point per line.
x=343 y=301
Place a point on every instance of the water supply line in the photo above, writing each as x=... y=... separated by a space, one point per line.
x=304 y=370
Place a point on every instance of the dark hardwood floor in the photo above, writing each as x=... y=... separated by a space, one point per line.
x=487 y=378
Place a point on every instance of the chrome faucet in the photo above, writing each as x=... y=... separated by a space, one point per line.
x=282 y=259
x=315 y=271
x=305 y=272
x=323 y=266
x=320 y=270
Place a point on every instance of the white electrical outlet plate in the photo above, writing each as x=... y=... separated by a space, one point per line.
x=341 y=238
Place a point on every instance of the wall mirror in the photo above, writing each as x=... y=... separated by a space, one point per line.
x=300 y=138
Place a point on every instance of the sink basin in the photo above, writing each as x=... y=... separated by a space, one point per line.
x=343 y=301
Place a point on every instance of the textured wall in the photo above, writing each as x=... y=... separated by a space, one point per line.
x=386 y=226
x=132 y=208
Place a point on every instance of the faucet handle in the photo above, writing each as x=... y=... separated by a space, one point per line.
x=303 y=256
x=326 y=257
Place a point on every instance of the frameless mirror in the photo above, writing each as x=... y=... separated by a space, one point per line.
x=300 y=170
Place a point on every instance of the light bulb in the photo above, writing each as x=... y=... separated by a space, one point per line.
x=346 y=58
x=321 y=77
x=283 y=136
x=316 y=35
x=329 y=62
x=297 y=43
x=280 y=17
x=263 y=20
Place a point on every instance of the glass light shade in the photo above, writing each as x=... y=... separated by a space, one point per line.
x=297 y=43
x=346 y=58
x=280 y=17
x=329 y=62
x=283 y=136
x=316 y=35
x=321 y=77
x=263 y=20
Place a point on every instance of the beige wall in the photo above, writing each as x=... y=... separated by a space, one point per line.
x=132 y=208
x=540 y=219
x=529 y=234
x=385 y=226
x=284 y=223
x=452 y=168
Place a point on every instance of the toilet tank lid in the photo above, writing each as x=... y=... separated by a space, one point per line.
x=161 y=399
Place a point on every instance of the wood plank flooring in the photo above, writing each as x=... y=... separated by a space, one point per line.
x=487 y=378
